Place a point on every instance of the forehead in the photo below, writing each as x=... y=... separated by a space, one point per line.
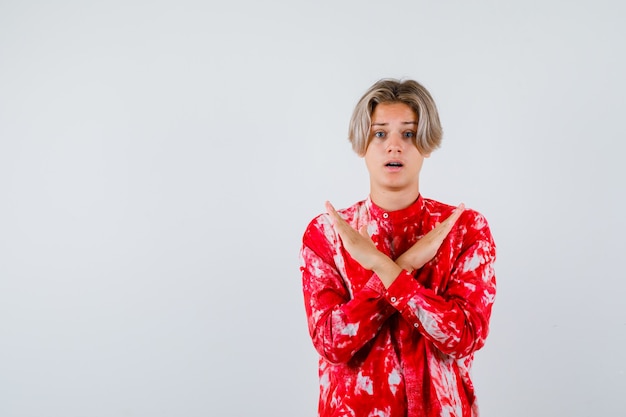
x=391 y=112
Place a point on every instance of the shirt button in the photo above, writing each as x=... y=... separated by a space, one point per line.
x=385 y=215
x=393 y=299
x=416 y=325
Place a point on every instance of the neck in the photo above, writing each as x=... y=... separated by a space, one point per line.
x=394 y=200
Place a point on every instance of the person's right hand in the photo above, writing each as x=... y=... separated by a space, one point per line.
x=426 y=248
x=363 y=250
x=357 y=242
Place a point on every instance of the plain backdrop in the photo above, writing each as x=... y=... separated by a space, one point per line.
x=159 y=161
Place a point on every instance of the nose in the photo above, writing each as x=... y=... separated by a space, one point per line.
x=394 y=143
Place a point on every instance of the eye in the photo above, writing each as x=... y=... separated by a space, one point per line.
x=409 y=135
x=379 y=134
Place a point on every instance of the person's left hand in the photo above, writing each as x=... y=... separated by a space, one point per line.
x=426 y=248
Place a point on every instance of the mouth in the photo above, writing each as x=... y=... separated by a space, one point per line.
x=394 y=164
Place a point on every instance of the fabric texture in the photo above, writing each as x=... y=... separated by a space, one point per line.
x=405 y=351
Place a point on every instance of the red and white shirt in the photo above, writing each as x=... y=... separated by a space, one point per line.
x=405 y=351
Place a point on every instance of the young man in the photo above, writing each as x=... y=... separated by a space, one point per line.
x=398 y=288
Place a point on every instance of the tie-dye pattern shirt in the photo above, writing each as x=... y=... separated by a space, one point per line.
x=405 y=351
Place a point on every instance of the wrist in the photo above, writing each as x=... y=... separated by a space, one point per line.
x=405 y=262
x=387 y=270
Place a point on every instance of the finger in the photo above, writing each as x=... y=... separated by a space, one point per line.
x=342 y=227
x=363 y=231
x=442 y=229
x=329 y=208
x=334 y=216
x=456 y=213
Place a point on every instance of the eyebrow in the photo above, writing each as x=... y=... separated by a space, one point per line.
x=385 y=124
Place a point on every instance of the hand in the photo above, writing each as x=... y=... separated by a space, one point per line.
x=358 y=243
x=426 y=248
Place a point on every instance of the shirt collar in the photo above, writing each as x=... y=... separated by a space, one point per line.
x=397 y=216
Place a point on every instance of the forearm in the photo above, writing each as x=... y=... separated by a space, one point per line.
x=457 y=324
x=453 y=306
x=339 y=328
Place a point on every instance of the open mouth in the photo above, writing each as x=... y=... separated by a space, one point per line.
x=394 y=164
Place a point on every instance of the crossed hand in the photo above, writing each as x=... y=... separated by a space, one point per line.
x=363 y=250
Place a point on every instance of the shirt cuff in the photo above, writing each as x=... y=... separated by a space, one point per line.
x=401 y=290
x=375 y=284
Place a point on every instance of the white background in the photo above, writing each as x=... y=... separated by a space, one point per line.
x=160 y=160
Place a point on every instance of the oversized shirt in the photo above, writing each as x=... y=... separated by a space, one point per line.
x=404 y=351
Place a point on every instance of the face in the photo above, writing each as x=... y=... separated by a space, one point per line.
x=392 y=159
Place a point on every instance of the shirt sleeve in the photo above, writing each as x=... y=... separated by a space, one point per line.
x=455 y=320
x=340 y=323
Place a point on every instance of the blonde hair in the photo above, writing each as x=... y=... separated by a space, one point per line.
x=389 y=90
